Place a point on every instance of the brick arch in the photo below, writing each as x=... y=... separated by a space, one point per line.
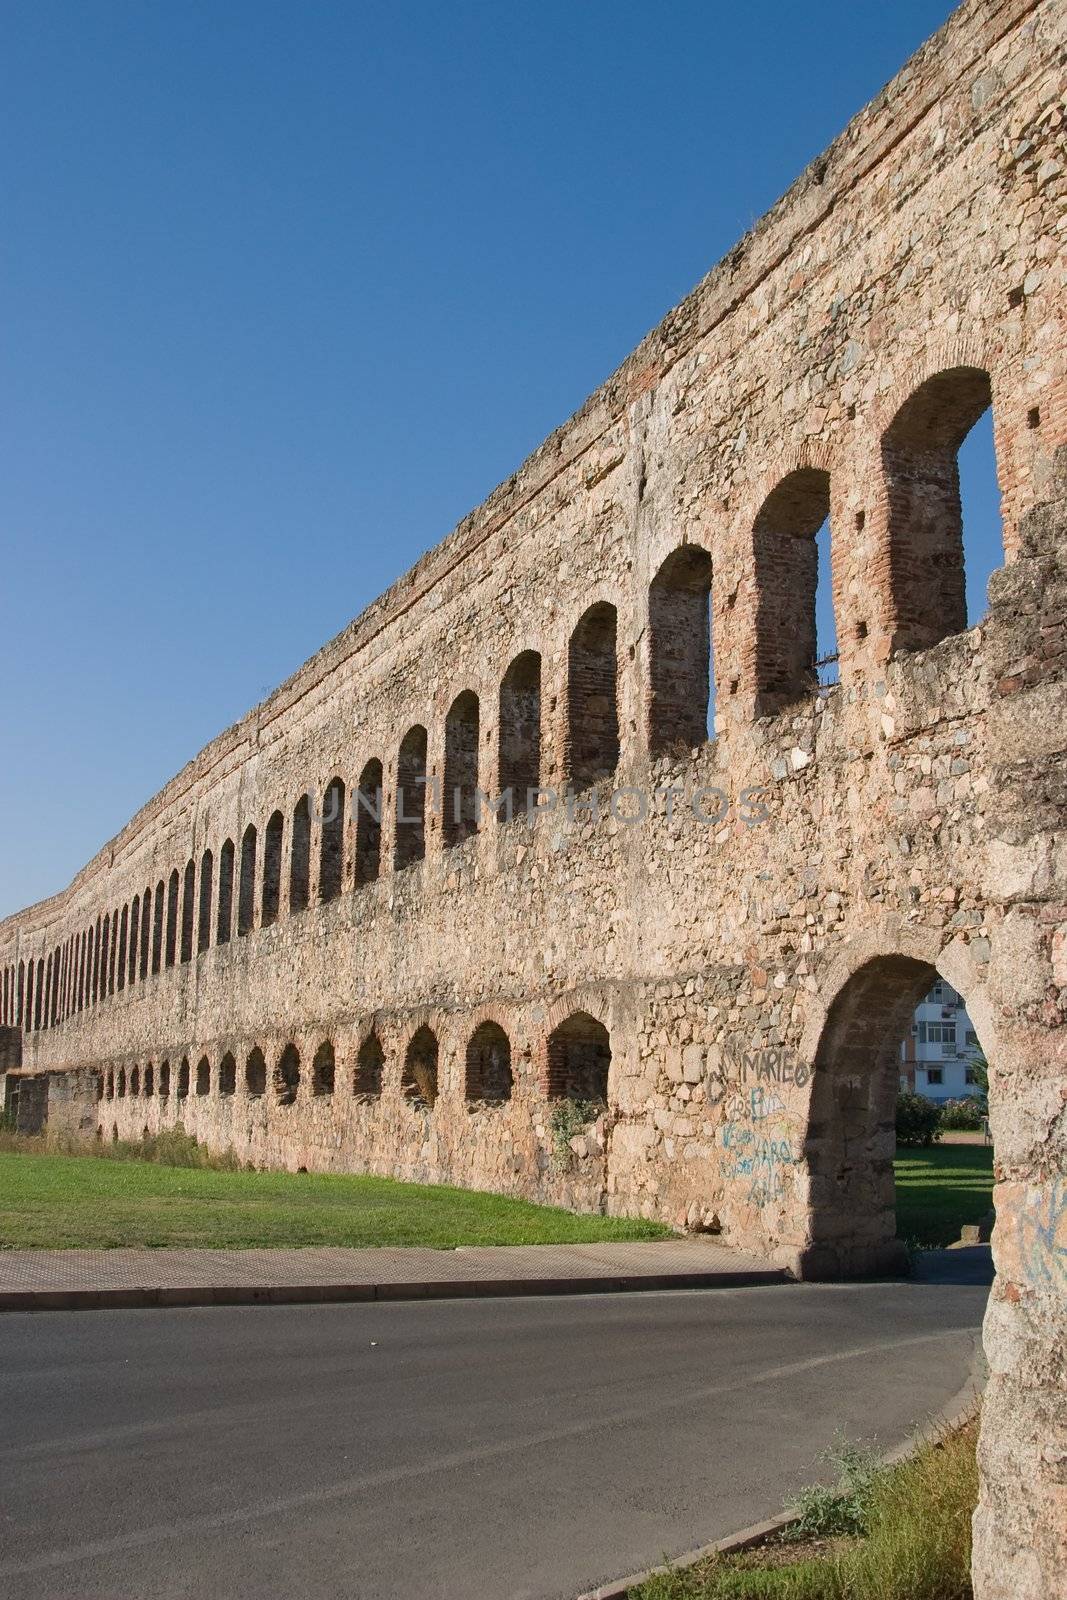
x=592 y=699
x=850 y=1050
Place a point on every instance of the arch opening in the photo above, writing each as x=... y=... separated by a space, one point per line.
x=370 y=1065
x=850 y=1143
x=460 y=817
x=488 y=1067
x=679 y=626
x=578 y=1060
x=921 y=451
x=272 y=870
x=519 y=733
x=332 y=841
x=410 y=843
x=418 y=1083
x=591 y=742
x=789 y=528
x=322 y=1069
x=287 y=1076
x=256 y=1073
x=368 y=809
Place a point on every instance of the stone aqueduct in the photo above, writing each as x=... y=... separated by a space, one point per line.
x=728 y=976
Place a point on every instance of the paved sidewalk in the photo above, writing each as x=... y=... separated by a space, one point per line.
x=81 y=1279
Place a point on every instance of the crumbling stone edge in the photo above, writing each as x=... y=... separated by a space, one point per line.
x=961 y=1409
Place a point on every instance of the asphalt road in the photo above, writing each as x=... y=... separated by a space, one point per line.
x=462 y=1450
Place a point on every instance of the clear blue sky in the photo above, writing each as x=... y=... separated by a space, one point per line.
x=288 y=288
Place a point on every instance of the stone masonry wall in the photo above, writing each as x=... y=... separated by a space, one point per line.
x=718 y=941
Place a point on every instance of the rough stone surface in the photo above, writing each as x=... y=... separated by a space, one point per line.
x=727 y=977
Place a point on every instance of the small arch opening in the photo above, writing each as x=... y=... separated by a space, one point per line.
x=322 y=1069
x=786 y=543
x=460 y=818
x=410 y=841
x=203 y=1076
x=519 y=733
x=332 y=841
x=227 y=1075
x=679 y=625
x=488 y=1075
x=225 y=912
x=418 y=1083
x=370 y=1065
x=272 y=869
x=246 y=890
x=368 y=808
x=256 y=1073
x=579 y=1060
x=300 y=856
x=591 y=742
x=922 y=452
x=287 y=1076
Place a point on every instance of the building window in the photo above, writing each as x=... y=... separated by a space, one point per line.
x=934 y=1076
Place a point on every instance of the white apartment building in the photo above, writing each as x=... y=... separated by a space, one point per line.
x=937 y=1055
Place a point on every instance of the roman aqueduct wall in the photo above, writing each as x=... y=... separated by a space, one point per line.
x=714 y=944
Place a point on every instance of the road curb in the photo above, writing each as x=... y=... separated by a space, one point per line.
x=960 y=1410
x=161 y=1297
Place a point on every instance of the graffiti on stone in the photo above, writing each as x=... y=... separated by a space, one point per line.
x=1043 y=1231
x=760 y=1131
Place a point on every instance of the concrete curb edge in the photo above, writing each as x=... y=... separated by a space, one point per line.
x=161 y=1297
x=960 y=1409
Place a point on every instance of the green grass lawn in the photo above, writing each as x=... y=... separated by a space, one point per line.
x=941 y=1188
x=57 y=1201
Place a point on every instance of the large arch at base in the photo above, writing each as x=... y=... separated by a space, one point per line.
x=853 y=1041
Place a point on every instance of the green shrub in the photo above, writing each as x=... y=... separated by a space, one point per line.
x=846 y=1507
x=964 y=1116
x=918 y=1119
x=569 y=1117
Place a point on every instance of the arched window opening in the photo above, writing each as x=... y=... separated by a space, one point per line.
x=519 y=754
x=105 y=958
x=146 y=931
x=135 y=939
x=227 y=1075
x=39 y=999
x=188 y=910
x=98 y=1085
x=149 y=1075
x=410 y=843
x=172 y=918
x=786 y=547
x=322 y=1069
x=418 y=1083
x=164 y=1080
x=489 y=1076
x=287 y=1076
x=272 y=869
x=111 y=1084
x=183 y=1078
x=121 y=1085
x=579 y=1060
x=921 y=452
x=20 y=998
x=679 y=627
x=225 y=913
x=300 y=856
x=894 y=1023
x=256 y=1073
x=368 y=808
x=135 y=1081
x=112 y=963
x=203 y=930
x=332 y=841
x=591 y=741
x=203 y=1076
x=460 y=818
x=370 y=1064
x=246 y=893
